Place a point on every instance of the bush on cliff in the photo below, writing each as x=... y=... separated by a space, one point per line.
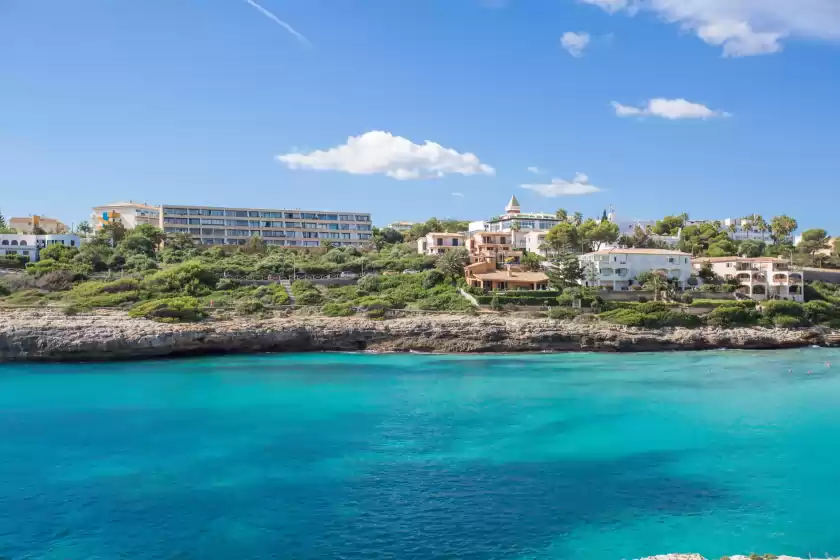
x=562 y=313
x=169 y=310
x=652 y=318
x=337 y=310
x=189 y=279
x=105 y=294
x=818 y=312
x=732 y=316
x=250 y=307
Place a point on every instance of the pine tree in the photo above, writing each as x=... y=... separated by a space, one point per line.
x=2 y=221
x=566 y=271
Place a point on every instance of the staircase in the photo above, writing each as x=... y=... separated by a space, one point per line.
x=287 y=285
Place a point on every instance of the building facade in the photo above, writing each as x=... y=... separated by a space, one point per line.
x=401 y=226
x=27 y=225
x=619 y=269
x=760 y=278
x=439 y=243
x=29 y=245
x=516 y=224
x=129 y=214
x=493 y=247
x=486 y=276
x=210 y=225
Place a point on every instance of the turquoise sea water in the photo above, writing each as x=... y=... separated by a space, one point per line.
x=569 y=456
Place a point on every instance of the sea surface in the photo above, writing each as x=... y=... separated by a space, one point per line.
x=319 y=456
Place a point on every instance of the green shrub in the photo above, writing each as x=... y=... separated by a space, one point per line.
x=249 y=307
x=781 y=307
x=191 y=278
x=308 y=298
x=337 y=310
x=495 y=303
x=787 y=321
x=302 y=286
x=654 y=307
x=687 y=298
x=447 y=301
x=433 y=278
x=272 y=294
x=4 y=289
x=732 y=315
x=820 y=311
x=561 y=313
x=643 y=299
x=376 y=314
x=169 y=310
x=226 y=284
x=72 y=309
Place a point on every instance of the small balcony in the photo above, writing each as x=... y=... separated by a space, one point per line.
x=759 y=278
x=607 y=271
x=780 y=279
x=795 y=278
x=622 y=272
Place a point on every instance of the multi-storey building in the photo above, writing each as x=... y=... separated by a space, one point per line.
x=29 y=245
x=494 y=247
x=209 y=225
x=401 y=226
x=28 y=224
x=618 y=269
x=516 y=224
x=439 y=243
x=129 y=214
x=760 y=278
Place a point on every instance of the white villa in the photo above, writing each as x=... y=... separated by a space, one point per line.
x=516 y=224
x=29 y=245
x=618 y=269
x=439 y=243
x=762 y=278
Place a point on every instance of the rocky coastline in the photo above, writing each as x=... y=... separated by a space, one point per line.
x=49 y=335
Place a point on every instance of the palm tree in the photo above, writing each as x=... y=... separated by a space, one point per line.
x=732 y=228
x=515 y=227
x=655 y=283
x=562 y=215
x=578 y=219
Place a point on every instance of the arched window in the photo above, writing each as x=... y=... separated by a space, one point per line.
x=5 y=242
x=23 y=243
x=14 y=242
x=759 y=291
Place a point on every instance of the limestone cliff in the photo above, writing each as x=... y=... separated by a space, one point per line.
x=48 y=335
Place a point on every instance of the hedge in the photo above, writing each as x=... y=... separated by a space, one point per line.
x=544 y=299
x=169 y=310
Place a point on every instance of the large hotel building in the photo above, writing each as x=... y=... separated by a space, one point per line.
x=211 y=225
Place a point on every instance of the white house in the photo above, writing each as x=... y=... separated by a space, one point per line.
x=29 y=246
x=761 y=278
x=618 y=269
x=439 y=243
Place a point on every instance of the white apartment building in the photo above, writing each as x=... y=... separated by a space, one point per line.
x=129 y=214
x=439 y=243
x=534 y=241
x=29 y=245
x=761 y=278
x=515 y=223
x=210 y=225
x=618 y=269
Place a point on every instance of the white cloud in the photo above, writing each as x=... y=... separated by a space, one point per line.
x=379 y=152
x=535 y=170
x=279 y=22
x=742 y=27
x=575 y=43
x=458 y=194
x=580 y=185
x=672 y=109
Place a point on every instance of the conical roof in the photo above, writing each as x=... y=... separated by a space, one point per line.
x=513 y=204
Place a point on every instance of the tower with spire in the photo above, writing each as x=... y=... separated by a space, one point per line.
x=513 y=206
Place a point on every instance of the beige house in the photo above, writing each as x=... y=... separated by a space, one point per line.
x=486 y=276
x=495 y=246
x=439 y=243
x=761 y=278
x=27 y=225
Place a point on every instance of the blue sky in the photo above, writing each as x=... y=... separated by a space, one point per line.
x=190 y=101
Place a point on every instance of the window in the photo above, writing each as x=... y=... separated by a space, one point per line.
x=362 y=218
x=253 y=214
x=293 y=215
x=439 y=241
x=72 y=242
x=328 y=217
x=5 y=242
x=212 y=222
x=236 y=223
x=274 y=233
x=293 y=224
x=345 y=217
x=309 y=216
x=176 y=220
x=14 y=242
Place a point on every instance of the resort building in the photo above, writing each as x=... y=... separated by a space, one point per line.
x=129 y=214
x=516 y=224
x=439 y=243
x=618 y=269
x=401 y=226
x=28 y=224
x=29 y=245
x=534 y=242
x=494 y=247
x=210 y=225
x=760 y=278
x=486 y=276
